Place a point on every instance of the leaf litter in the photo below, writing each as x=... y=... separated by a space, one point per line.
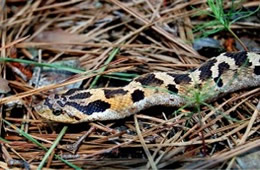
x=150 y=36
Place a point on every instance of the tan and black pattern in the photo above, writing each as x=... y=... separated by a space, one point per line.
x=223 y=74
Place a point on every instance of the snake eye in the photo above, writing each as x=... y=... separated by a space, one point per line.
x=57 y=112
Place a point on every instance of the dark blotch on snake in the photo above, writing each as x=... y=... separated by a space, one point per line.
x=80 y=95
x=112 y=93
x=257 y=70
x=137 y=95
x=222 y=68
x=149 y=80
x=182 y=79
x=172 y=88
x=47 y=103
x=63 y=98
x=61 y=104
x=173 y=74
x=92 y=107
x=205 y=69
x=218 y=81
x=240 y=57
x=71 y=91
x=56 y=96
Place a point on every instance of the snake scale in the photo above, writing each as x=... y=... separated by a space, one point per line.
x=216 y=77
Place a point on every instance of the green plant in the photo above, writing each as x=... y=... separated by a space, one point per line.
x=222 y=20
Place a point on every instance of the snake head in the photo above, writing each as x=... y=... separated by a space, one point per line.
x=76 y=106
x=54 y=108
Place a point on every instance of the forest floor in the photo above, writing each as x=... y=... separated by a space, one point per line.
x=51 y=46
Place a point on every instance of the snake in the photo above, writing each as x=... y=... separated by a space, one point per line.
x=218 y=76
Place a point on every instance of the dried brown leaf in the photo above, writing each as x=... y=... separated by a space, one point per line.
x=59 y=36
x=4 y=88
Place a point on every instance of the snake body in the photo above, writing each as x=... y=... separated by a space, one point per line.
x=218 y=76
